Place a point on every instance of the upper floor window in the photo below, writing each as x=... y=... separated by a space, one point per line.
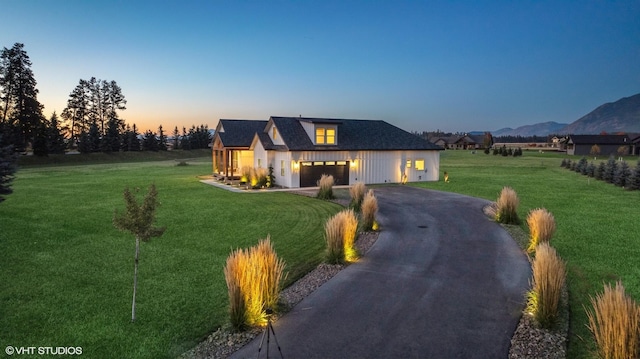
x=275 y=133
x=325 y=136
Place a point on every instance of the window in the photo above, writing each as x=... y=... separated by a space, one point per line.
x=420 y=165
x=325 y=136
x=275 y=133
x=259 y=162
x=408 y=163
x=320 y=136
x=281 y=165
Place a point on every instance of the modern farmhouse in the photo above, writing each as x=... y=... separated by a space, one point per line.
x=301 y=149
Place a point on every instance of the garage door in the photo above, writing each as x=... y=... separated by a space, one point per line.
x=310 y=172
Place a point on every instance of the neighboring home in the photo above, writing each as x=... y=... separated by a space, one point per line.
x=581 y=145
x=302 y=149
x=460 y=142
x=635 y=143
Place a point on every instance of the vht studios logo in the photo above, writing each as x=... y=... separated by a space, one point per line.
x=11 y=350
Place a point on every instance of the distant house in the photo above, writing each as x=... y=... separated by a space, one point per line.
x=581 y=145
x=635 y=143
x=460 y=142
x=300 y=150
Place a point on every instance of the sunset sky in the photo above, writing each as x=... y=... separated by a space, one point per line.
x=420 y=65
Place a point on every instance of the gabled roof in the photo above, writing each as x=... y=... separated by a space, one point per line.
x=599 y=139
x=360 y=135
x=239 y=133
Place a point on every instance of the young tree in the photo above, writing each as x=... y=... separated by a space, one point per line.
x=8 y=167
x=595 y=151
x=610 y=169
x=138 y=220
x=621 y=177
x=634 y=180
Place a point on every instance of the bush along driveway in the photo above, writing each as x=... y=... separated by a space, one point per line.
x=442 y=281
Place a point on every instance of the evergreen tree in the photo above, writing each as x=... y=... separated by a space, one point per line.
x=162 y=139
x=622 y=175
x=133 y=142
x=150 y=142
x=582 y=166
x=55 y=138
x=610 y=169
x=634 y=180
x=591 y=169
x=185 y=143
x=111 y=140
x=176 y=138
x=8 y=167
x=40 y=141
x=18 y=95
x=599 y=172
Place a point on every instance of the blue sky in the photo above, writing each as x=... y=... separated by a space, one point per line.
x=420 y=65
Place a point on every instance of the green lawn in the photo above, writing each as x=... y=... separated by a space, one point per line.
x=597 y=223
x=67 y=273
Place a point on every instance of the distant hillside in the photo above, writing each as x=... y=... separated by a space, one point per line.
x=539 y=129
x=620 y=116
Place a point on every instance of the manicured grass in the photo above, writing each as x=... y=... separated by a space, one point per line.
x=597 y=223
x=67 y=273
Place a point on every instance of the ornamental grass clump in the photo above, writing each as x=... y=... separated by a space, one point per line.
x=507 y=206
x=340 y=234
x=549 y=275
x=357 y=195
x=254 y=278
x=326 y=187
x=369 y=210
x=542 y=226
x=615 y=323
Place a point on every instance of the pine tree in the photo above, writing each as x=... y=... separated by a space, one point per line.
x=176 y=138
x=634 y=180
x=610 y=169
x=55 y=139
x=138 y=220
x=185 y=142
x=622 y=175
x=150 y=142
x=111 y=140
x=94 y=138
x=8 y=167
x=599 y=172
x=19 y=95
x=133 y=141
x=591 y=169
x=162 y=139
x=40 y=141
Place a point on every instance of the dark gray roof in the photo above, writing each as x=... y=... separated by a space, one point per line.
x=360 y=135
x=599 y=139
x=239 y=133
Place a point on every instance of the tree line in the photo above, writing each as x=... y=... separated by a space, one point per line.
x=91 y=121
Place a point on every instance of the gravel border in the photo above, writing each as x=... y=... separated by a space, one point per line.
x=528 y=341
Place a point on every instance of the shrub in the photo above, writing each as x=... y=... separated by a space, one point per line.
x=615 y=323
x=357 y=194
x=507 y=206
x=634 y=179
x=568 y=165
x=542 y=226
x=610 y=169
x=582 y=166
x=369 y=210
x=258 y=177
x=599 y=172
x=326 y=187
x=622 y=175
x=245 y=172
x=340 y=235
x=563 y=163
x=549 y=275
x=591 y=169
x=254 y=278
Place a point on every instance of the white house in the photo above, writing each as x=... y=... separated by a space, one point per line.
x=301 y=150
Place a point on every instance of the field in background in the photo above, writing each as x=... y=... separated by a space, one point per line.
x=67 y=273
x=597 y=223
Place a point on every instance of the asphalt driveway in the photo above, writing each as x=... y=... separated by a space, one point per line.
x=442 y=281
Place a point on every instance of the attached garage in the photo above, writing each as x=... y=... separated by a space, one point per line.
x=311 y=171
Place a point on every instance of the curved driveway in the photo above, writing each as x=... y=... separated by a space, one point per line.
x=442 y=281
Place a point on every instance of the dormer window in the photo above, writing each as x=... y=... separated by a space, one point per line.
x=275 y=133
x=325 y=136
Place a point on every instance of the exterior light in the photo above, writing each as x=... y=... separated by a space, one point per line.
x=354 y=164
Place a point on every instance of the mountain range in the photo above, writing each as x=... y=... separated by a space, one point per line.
x=613 y=117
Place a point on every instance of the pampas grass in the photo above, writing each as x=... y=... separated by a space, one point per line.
x=542 y=226
x=340 y=235
x=357 y=195
x=615 y=323
x=369 y=210
x=549 y=275
x=326 y=187
x=507 y=206
x=254 y=278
